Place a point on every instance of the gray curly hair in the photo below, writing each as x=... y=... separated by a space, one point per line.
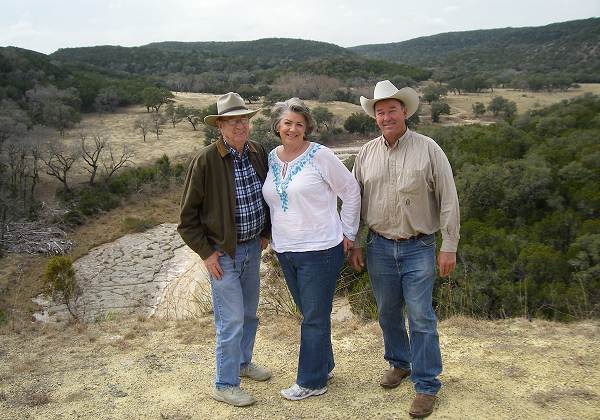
x=293 y=105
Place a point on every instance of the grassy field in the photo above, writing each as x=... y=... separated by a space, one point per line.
x=181 y=141
x=462 y=111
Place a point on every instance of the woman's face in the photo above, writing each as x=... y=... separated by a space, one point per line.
x=292 y=128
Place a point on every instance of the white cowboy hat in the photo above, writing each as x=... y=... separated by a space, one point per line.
x=230 y=104
x=386 y=90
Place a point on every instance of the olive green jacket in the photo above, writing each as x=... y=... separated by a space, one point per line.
x=207 y=218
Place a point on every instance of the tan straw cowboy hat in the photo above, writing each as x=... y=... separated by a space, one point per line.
x=229 y=105
x=386 y=90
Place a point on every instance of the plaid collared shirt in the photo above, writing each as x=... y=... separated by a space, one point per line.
x=249 y=209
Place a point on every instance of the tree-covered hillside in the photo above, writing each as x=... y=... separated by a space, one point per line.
x=266 y=49
x=530 y=210
x=221 y=66
x=569 y=48
x=25 y=74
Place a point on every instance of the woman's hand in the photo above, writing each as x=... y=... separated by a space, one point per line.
x=348 y=245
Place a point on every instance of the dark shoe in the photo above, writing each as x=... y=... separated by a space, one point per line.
x=393 y=376
x=422 y=405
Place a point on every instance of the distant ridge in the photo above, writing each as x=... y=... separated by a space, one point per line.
x=279 y=48
x=571 y=47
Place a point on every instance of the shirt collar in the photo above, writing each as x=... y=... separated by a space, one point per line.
x=234 y=152
x=224 y=148
x=402 y=137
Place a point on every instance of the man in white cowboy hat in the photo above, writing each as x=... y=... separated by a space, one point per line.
x=408 y=194
x=224 y=220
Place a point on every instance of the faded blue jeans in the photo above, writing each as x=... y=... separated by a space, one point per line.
x=235 y=300
x=402 y=275
x=311 y=277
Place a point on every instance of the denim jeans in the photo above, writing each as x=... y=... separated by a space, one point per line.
x=235 y=300
x=311 y=277
x=402 y=275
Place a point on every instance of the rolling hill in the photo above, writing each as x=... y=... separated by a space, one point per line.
x=568 y=47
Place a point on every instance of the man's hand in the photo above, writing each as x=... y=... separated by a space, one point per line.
x=213 y=266
x=356 y=259
x=446 y=263
x=264 y=243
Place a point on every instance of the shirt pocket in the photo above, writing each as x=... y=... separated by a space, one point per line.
x=412 y=181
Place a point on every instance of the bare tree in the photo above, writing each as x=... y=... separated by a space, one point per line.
x=144 y=125
x=193 y=115
x=174 y=114
x=13 y=121
x=59 y=162
x=158 y=120
x=112 y=162
x=91 y=153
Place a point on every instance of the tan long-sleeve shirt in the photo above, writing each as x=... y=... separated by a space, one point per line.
x=408 y=189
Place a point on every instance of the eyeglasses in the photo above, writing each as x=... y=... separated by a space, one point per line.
x=235 y=121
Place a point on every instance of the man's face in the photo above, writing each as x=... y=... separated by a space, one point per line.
x=234 y=129
x=390 y=115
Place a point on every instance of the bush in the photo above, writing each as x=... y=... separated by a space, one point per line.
x=60 y=279
x=73 y=218
x=94 y=200
x=361 y=123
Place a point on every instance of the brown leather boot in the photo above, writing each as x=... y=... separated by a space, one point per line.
x=393 y=376
x=422 y=405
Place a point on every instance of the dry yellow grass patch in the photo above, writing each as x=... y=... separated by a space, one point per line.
x=462 y=111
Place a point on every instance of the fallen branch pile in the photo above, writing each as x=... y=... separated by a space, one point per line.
x=35 y=238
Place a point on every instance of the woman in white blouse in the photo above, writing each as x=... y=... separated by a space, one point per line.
x=309 y=236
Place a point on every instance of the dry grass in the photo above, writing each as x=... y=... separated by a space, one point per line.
x=462 y=111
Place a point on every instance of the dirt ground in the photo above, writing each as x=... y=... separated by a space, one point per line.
x=127 y=369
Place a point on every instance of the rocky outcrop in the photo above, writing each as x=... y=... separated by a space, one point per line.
x=149 y=274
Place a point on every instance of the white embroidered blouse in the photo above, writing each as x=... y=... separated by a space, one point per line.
x=303 y=201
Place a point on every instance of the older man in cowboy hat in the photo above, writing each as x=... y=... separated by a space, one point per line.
x=408 y=194
x=224 y=220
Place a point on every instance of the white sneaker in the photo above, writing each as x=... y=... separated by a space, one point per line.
x=330 y=375
x=234 y=396
x=296 y=392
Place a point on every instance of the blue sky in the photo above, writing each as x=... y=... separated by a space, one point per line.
x=45 y=26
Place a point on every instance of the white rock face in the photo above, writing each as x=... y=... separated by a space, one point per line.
x=150 y=274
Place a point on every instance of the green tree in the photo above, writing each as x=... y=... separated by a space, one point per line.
x=500 y=105
x=322 y=116
x=433 y=93
x=478 y=109
x=438 y=108
x=361 y=123
x=154 y=98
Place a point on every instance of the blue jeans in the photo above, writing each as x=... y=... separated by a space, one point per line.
x=311 y=277
x=235 y=300
x=402 y=274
